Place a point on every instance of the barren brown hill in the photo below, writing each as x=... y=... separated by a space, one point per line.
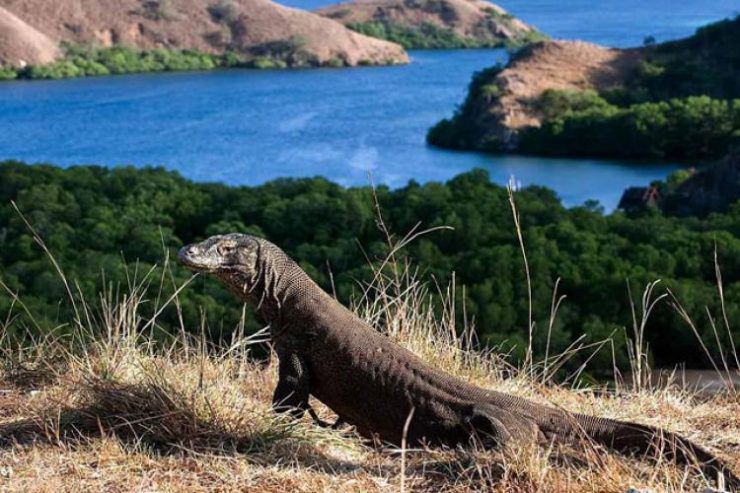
x=560 y=65
x=249 y=27
x=471 y=19
x=21 y=44
x=501 y=102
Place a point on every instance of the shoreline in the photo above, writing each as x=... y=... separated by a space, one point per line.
x=82 y=62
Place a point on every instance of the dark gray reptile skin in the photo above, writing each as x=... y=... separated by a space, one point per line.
x=370 y=382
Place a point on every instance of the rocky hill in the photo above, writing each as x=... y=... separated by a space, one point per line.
x=577 y=98
x=433 y=23
x=503 y=100
x=502 y=103
x=713 y=189
x=31 y=30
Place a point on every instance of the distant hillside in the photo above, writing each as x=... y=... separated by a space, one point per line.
x=713 y=189
x=250 y=29
x=20 y=42
x=672 y=100
x=433 y=23
x=500 y=102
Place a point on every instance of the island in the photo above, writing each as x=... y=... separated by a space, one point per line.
x=427 y=24
x=49 y=39
x=675 y=100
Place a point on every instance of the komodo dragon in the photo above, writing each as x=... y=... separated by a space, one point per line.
x=370 y=382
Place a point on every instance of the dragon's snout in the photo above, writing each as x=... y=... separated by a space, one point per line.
x=192 y=256
x=186 y=253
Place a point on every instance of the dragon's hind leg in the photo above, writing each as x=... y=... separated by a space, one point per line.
x=500 y=429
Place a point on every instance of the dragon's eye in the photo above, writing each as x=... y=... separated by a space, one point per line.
x=226 y=248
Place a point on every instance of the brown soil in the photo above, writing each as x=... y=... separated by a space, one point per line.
x=245 y=26
x=476 y=19
x=563 y=65
x=21 y=44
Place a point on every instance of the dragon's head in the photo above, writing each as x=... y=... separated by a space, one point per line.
x=224 y=255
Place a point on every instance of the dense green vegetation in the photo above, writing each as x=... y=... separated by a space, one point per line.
x=426 y=36
x=464 y=130
x=93 y=218
x=430 y=36
x=680 y=102
x=696 y=127
x=82 y=61
x=707 y=63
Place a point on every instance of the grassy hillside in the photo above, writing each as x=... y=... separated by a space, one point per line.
x=94 y=218
x=121 y=413
x=676 y=100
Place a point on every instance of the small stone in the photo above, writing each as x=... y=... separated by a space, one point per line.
x=6 y=472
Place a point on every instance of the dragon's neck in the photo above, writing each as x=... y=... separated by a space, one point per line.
x=278 y=283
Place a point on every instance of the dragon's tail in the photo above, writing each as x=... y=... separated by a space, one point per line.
x=634 y=438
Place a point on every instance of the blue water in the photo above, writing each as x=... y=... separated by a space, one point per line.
x=350 y=125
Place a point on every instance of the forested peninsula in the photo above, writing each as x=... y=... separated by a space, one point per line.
x=95 y=220
x=676 y=100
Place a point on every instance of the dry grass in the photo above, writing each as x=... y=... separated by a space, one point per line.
x=123 y=414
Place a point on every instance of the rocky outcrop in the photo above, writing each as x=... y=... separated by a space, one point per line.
x=250 y=28
x=479 y=21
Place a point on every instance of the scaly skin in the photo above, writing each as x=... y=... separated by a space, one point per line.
x=372 y=383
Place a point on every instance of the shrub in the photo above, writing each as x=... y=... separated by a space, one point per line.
x=81 y=61
x=8 y=73
x=57 y=70
x=264 y=62
x=554 y=103
x=223 y=11
x=426 y=36
x=335 y=62
x=158 y=10
x=284 y=53
x=490 y=91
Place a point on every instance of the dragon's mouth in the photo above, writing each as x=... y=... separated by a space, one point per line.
x=190 y=257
